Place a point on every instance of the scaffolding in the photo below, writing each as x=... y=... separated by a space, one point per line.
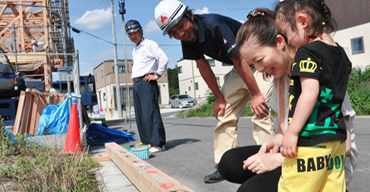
x=36 y=36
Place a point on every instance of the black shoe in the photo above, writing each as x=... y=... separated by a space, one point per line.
x=214 y=177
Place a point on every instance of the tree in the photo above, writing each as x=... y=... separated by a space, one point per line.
x=173 y=81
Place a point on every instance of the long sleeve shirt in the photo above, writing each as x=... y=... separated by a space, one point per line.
x=148 y=58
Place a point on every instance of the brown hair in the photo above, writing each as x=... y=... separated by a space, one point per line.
x=317 y=9
x=260 y=25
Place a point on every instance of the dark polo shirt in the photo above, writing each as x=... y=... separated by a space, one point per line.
x=216 y=38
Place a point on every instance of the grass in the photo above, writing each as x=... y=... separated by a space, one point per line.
x=206 y=110
x=25 y=166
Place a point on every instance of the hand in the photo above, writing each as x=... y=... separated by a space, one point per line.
x=269 y=147
x=259 y=106
x=219 y=108
x=262 y=163
x=289 y=145
x=150 y=77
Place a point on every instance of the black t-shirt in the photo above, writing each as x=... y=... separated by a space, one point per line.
x=216 y=38
x=331 y=67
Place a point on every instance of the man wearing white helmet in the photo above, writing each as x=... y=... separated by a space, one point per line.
x=214 y=35
x=145 y=74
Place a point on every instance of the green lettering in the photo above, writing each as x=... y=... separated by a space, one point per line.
x=330 y=165
x=337 y=162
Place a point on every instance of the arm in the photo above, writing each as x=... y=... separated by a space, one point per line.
x=348 y=140
x=273 y=145
x=162 y=60
x=258 y=104
x=262 y=163
x=305 y=104
x=209 y=77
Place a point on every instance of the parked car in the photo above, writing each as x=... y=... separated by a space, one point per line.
x=11 y=83
x=181 y=101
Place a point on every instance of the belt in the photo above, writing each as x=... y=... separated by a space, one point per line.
x=137 y=79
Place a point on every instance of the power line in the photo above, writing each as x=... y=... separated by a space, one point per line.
x=74 y=29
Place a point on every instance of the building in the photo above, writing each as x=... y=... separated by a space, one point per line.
x=35 y=35
x=192 y=83
x=353 y=20
x=105 y=83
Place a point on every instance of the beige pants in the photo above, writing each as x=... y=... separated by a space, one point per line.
x=236 y=95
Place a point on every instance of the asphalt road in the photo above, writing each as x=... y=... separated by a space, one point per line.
x=189 y=154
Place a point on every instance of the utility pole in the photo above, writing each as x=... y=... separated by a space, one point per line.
x=118 y=89
x=122 y=11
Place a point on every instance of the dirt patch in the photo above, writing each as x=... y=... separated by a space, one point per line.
x=7 y=185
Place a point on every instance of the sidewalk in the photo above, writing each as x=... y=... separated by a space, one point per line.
x=109 y=174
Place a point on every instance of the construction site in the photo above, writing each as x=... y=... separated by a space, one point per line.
x=35 y=35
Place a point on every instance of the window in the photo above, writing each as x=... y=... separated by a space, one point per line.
x=104 y=98
x=121 y=69
x=102 y=74
x=211 y=62
x=96 y=78
x=189 y=88
x=357 y=45
x=179 y=69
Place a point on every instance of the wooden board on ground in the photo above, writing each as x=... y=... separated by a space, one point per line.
x=101 y=158
x=143 y=175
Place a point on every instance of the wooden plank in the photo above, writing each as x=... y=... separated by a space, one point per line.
x=26 y=112
x=18 y=117
x=143 y=175
x=34 y=120
x=101 y=158
x=41 y=106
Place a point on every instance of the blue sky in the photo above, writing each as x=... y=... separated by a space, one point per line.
x=94 y=17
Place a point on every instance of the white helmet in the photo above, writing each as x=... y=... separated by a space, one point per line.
x=168 y=13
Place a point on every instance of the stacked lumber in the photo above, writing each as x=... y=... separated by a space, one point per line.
x=30 y=106
x=144 y=176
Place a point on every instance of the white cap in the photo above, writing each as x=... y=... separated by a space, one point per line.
x=168 y=13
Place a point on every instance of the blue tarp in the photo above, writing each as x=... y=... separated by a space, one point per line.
x=13 y=141
x=97 y=134
x=55 y=118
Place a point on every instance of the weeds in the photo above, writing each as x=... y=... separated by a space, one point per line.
x=34 y=168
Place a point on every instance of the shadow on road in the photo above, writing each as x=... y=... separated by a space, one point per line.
x=174 y=143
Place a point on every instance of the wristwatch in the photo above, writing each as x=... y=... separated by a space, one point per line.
x=157 y=76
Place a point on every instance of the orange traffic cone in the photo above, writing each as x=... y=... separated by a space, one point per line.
x=73 y=140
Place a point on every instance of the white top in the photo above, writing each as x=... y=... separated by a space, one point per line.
x=37 y=46
x=146 y=55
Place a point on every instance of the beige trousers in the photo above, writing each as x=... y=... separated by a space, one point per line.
x=236 y=95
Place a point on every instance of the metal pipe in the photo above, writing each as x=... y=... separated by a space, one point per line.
x=15 y=44
x=126 y=71
x=69 y=95
x=118 y=89
x=76 y=85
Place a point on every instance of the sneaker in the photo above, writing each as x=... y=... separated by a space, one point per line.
x=155 y=149
x=214 y=177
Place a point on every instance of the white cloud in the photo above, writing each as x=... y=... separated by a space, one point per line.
x=203 y=11
x=151 y=26
x=96 y=19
